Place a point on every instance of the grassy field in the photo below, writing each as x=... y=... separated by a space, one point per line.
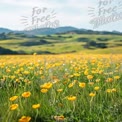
x=61 y=88
x=63 y=43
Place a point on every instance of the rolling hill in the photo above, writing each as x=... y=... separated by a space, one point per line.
x=69 y=42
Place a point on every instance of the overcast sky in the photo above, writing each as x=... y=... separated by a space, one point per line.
x=68 y=12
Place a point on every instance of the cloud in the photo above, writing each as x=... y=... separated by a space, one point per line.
x=69 y=12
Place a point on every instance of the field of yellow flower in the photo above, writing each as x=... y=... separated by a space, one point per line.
x=61 y=88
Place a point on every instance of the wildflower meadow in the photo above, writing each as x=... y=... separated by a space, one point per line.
x=61 y=88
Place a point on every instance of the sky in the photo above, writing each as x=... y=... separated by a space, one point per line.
x=87 y=14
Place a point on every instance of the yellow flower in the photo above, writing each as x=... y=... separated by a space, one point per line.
x=36 y=106
x=17 y=80
x=113 y=90
x=13 y=98
x=26 y=72
x=89 y=77
x=44 y=90
x=24 y=119
x=82 y=85
x=59 y=118
x=26 y=94
x=71 y=98
x=92 y=94
x=100 y=72
x=75 y=81
x=8 y=70
x=13 y=106
x=71 y=85
x=116 y=77
x=86 y=72
x=109 y=80
x=76 y=74
x=108 y=91
x=46 y=85
x=71 y=76
x=93 y=60
x=96 y=88
x=12 y=77
x=59 y=90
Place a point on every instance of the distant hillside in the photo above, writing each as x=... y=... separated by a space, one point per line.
x=68 y=42
x=49 y=31
x=84 y=31
x=59 y=30
x=5 y=30
x=66 y=29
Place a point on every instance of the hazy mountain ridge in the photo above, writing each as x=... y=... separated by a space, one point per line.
x=65 y=29
x=5 y=30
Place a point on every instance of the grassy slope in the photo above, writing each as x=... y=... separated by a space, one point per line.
x=63 y=44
